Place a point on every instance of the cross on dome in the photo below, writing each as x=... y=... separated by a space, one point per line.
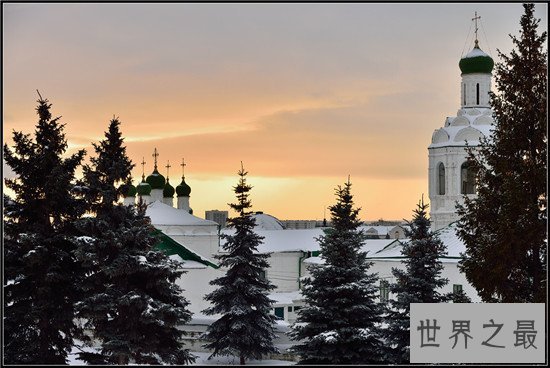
x=475 y=18
x=155 y=155
x=143 y=169
x=183 y=164
x=168 y=166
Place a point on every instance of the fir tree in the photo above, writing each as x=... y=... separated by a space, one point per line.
x=341 y=320
x=504 y=227
x=39 y=266
x=418 y=283
x=246 y=326
x=130 y=303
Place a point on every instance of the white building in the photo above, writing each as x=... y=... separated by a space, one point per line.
x=449 y=176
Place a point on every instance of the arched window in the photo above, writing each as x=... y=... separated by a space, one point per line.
x=441 y=179
x=477 y=94
x=467 y=179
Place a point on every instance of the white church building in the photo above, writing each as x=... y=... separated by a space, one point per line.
x=196 y=241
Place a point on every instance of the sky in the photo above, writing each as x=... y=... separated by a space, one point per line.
x=303 y=94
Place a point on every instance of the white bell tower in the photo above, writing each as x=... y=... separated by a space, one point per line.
x=449 y=176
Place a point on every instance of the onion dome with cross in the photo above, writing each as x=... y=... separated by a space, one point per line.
x=183 y=190
x=156 y=180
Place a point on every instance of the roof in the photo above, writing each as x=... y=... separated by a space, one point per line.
x=304 y=240
x=267 y=222
x=476 y=61
x=171 y=247
x=455 y=246
x=470 y=125
x=163 y=214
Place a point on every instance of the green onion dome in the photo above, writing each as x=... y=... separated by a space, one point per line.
x=128 y=190
x=156 y=180
x=183 y=189
x=143 y=188
x=476 y=61
x=169 y=190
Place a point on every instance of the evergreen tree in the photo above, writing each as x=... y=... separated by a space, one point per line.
x=340 y=323
x=418 y=283
x=39 y=267
x=504 y=227
x=130 y=303
x=459 y=297
x=246 y=326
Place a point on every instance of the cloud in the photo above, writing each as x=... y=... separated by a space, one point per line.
x=312 y=142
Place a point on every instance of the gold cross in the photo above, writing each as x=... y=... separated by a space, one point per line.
x=168 y=169
x=475 y=18
x=143 y=168
x=155 y=155
x=183 y=167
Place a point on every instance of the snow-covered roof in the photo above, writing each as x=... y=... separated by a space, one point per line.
x=455 y=246
x=267 y=222
x=304 y=240
x=163 y=214
x=379 y=229
x=286 y=240
x=475 y=53
x=469 y=125
x=187 y=264
x=286 y=298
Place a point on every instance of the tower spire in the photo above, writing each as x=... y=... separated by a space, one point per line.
x=155 y=155
x=143 y=169
x=475 y=19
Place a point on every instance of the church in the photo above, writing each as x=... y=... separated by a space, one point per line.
x=196 y=241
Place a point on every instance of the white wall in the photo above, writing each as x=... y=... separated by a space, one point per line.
x=283 y=270
x=450 y=271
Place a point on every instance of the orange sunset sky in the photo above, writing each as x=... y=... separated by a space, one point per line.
x=303 y=94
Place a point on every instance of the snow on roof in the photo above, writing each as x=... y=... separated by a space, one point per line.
x=379 y=229
x=187 y=264
x=371 y=246
x=286 y=298
x=267 y=222
x=474 y=53
x=304 y=240
x=457 y=134
x=448 y=236
x=163 y=214
x=455 y=131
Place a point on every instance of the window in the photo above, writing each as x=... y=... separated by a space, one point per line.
x=477 y=94
x=457 y=288
x=280 y=312
x=262 y=274
x=441 y=179
x=464 y=92
x=384 y=291
x=468 y=179
x=289 y=309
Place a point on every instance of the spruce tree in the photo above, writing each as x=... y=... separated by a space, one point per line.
x=340 y=323
x=505 y=226
x=39 y=265
x=131 y=304
x=246 y=326
x=418 y=283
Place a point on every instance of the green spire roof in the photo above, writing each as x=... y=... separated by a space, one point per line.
x=156 y=180
x=128 y=190
x=143 y=188
x=169 y=190
x=476 y=61
x=183 y=189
